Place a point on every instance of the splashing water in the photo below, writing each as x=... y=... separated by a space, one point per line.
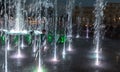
x=8 y=46
x=19 y=19
x=64 y=42
x=69 y=27
x=87 y=29
x=17 y=11
x=79 y=23
x=6 y=62
x=78 y=27
x=97 y=26
x=22 y=43
x=39 y=56
x=40 y=69
x=35 y=13
x=6 y=53
x=55 y=41
x=70 y=49
x=18 y=55
x=19 y=24
x=69 y=12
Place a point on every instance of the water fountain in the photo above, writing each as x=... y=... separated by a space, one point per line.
x=28 y=25
x=69 y=13
x=15 y=33
x=55 y=58
x=87 y=29
x=97 y=26
x=69 y=24
x=79 y=23
x=64 y=41
x=78 y=27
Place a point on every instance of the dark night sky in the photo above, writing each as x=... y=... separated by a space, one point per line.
x=61 y=3
x=91 y=2
x=83 y=2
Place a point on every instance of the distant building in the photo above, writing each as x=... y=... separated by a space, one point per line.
x=111 y=14
x=87 y=16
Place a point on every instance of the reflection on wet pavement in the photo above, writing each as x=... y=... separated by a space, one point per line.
x=82 y=59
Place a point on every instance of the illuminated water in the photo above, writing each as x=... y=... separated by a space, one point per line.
x=99 y=6
x=69 y=22
x=25 y=50
x=78 y=27
x=83 y=59
x=87 y=29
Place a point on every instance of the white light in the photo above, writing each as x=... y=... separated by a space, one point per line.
x=97 y=48
x=96 y=51
x=87 y=33
x=97 y=60
x=78 y=36
x=87 y=36
x=34 y=49
x=8 y=47
x=22 y=45
x=54 y=60
x=69 y=36
x=18 y=55
x=37 y=32
x=18 y=31
x=45 y=48
x=69 y=48
x=64 y=54
x=97 y=56
x=39 y=69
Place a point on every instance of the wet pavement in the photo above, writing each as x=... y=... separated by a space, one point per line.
x=82 y=59
x=85 y=58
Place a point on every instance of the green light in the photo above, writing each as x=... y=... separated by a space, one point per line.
x=62 y=39
x=42 y=69
x=15 y=40
x=28 y=38
x=2 y=39
x=50 y=38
